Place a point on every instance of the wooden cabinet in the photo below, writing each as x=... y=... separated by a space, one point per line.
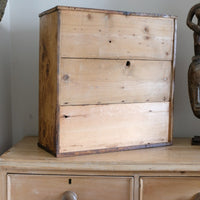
x=104 y=74
x=164 y=173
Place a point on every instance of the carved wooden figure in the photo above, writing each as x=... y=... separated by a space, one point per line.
x=194 y=69
x=2 y=8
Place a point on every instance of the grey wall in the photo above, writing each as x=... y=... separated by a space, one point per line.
x=24 y=56
x=5 y=100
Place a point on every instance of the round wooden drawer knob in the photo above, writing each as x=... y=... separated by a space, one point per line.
x=196 y=196
x=69 y=196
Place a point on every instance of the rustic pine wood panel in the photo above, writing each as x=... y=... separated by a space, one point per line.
x=103 y=126
x=36 y=187
x=94 y=81
x=104 y=35
x=48 y=81
x=169 y=188
x=107 y=39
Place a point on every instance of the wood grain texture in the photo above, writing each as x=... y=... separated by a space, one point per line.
x=167 y=173
x=94 y=81
x=111 y=126
x=48 y=81
x=59 y=8
x=114 y=36
x=104 y=35
x=180 y=157
x=171 y=112
x=36 y=187
x=169 y=188
x=3 y=188
x=74 y=41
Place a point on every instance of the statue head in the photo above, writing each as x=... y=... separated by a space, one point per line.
x=2 y=8
x=197 y=13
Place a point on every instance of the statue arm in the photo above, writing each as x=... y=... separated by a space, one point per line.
x=190 y=16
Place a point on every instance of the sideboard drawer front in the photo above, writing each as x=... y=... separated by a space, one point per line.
x=169 y=188
x=52 y=187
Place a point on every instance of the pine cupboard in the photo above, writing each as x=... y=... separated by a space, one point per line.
x=163 y=173
x=106 y=80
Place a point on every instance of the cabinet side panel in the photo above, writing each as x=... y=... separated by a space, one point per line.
x=171 y=111
x=48 y=67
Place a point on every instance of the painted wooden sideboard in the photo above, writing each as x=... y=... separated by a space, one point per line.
x=164 y=173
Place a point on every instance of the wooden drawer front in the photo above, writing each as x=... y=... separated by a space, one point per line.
x=169 y=188
x=39 y=187
x=95 y=81
x=86 y=34
x=112 y=126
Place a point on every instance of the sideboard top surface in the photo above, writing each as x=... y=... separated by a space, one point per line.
x=181 y=156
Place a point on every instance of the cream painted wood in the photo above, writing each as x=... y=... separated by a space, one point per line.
x=3 y=187
x=104 y=126
x=181 y=156
x=173 y=172
x=53 y=187
x=95 y=81
x=169 y=188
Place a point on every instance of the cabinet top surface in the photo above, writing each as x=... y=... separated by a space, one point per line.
x=126 y=13
x=181 y=156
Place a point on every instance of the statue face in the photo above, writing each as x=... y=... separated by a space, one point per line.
x=194 y=86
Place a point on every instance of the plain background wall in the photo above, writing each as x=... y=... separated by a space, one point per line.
x=24 y=59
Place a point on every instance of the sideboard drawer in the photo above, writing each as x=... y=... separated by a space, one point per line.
x=53 y=187
x=169 y=188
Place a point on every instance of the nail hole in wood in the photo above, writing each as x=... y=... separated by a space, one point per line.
x=70 y=181
x=110 y=41
x=146 y=29
x=66 y=116
x=65 y=77
x=128 y=63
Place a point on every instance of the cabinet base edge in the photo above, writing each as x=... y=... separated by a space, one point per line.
x=107 y=150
